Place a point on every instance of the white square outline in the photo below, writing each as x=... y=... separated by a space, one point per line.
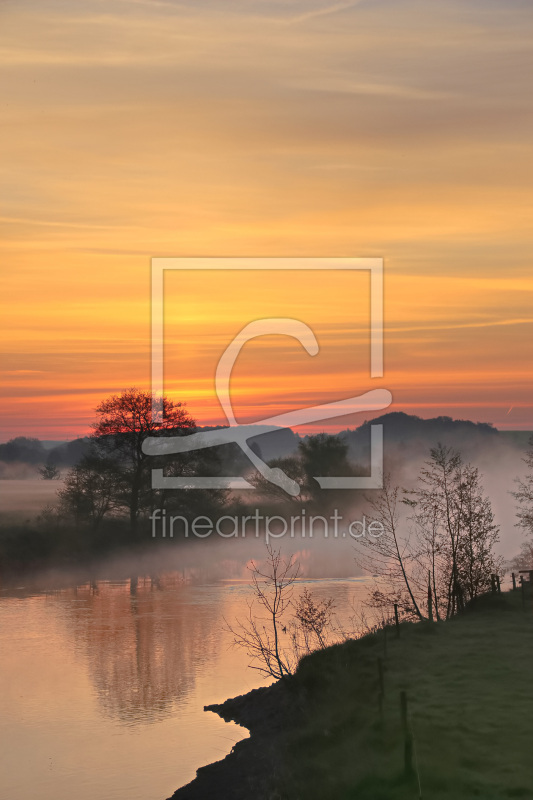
x=374 y=264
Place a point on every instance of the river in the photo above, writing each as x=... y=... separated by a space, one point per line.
x=104 y=680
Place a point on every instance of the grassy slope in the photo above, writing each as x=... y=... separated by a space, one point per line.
x=470 y=688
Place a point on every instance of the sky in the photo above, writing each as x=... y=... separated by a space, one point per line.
x=141 y=128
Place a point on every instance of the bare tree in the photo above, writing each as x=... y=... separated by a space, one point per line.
x=440 y=556
x=272 y=615
x=430 y=552
x=524 y=494
x=437 y=494
x=312 y=622
x=456 y=527
x=390 y=554
x=476 y=560
x=261 y=634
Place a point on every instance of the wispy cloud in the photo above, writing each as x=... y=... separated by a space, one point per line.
x=323 y=12
x=343 y=84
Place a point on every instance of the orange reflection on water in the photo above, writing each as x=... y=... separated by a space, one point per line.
x=104 y=684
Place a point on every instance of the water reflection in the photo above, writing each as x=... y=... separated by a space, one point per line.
x=144 y=641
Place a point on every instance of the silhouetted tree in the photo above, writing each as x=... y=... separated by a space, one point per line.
x=319 y=455
x=125 y=421
x=313 y=621
x=50 y=472
x=92 y=489
x=323 y=454
x=291 y=466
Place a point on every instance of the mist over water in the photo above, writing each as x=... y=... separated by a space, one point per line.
x=20 y=497
x=499 y=460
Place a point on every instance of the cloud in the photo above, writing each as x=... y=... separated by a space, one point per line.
x=395 y=128
x=346 y=84
x=323 y=11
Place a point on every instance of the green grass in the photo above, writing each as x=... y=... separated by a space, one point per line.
x=469 y=683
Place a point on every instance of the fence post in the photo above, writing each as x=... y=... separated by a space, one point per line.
x=396 y=619
x=430 y=599
x=513 y=576
x=380 y=676
x=381 y=684
x=408 y=737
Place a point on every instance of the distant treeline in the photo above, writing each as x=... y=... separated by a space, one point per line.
x=399 y=429
x=106 y=498
x=28 y=450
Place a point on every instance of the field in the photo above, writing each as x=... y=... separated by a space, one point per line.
x=327 y=735
x=470 y=700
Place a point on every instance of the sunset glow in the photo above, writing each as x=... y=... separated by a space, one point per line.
x=285 y=129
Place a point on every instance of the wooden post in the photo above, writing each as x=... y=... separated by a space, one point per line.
x=380 y=676
x=397 y=619
x=513 y=576
x=430 y=599
x=523 y=582
x=403 y=708
x=498 y=585
x=381 y=684
x=408 y=737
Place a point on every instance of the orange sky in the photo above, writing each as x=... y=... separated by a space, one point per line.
x=134 y=129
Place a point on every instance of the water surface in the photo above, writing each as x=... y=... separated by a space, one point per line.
x=104 y=683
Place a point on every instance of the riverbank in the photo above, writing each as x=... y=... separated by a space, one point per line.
x=326 y=733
